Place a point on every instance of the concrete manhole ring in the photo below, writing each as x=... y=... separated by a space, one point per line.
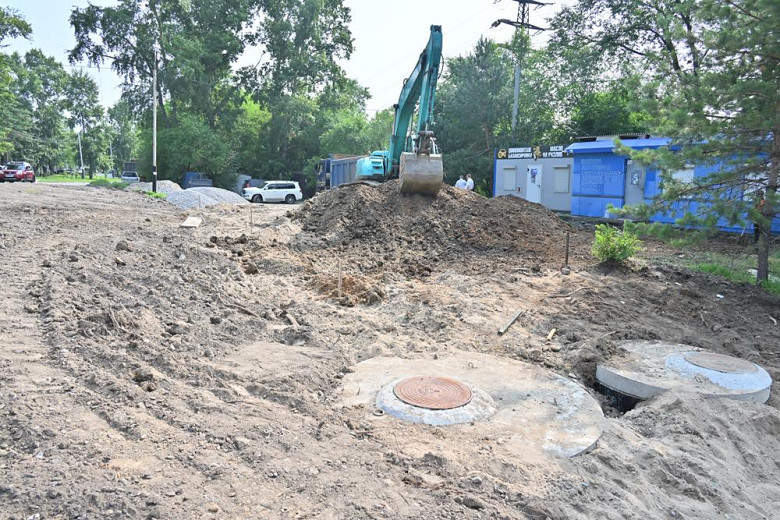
x=433 y=393
x=531 y=410
x=721 y=363
x=652 y=367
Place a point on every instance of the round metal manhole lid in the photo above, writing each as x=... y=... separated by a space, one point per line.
x=720 y=363
x=433 y=393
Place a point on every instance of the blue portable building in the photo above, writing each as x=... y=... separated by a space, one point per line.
x=601 y=177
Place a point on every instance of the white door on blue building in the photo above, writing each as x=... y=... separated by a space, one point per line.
x=534 y=183
x=635 y=184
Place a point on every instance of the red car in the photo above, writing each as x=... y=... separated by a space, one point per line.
x=18 y=171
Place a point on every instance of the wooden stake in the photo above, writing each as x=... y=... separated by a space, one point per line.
x=340 y=277
x=505 y=328
x=566 y=258
x=292 y=319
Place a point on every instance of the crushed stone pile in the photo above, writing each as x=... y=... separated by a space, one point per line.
x=382 y=226
x=166 y=187
x=203 y=197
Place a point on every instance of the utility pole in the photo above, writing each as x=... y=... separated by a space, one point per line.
x=154 y=123
x=81 y=156
x=521 y=24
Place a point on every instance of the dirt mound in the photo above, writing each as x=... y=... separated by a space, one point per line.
x=353 y=290
x=689 y=456
x=454 y=226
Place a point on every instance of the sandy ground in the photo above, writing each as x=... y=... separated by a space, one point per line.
x=149 y=371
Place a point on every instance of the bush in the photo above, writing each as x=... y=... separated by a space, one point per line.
x=108 y=183
x=614 y=245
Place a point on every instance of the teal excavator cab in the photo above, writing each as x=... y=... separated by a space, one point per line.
x=413 y=157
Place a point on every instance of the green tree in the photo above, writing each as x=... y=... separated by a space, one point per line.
x=710 y=72
x=346 y=133
x=124 y=134
x=302 y=41
x=349 y=131
x=198 y=42
x=40 y=86
x=473 y=111
x=297 y=80
x=378 y=130
x=11 y=26
x=607 y=112
x=86 y=118
x=250 y=138
x=191 y=145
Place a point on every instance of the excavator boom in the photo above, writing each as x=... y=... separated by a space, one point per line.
x=416 y=161
x=413 y=159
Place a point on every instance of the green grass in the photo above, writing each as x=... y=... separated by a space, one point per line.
x=736 y=270
x=63 y=178
x=108 y=183
x=725 y=271
x=158 y=195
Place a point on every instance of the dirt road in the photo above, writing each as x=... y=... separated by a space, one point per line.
x=150 y=371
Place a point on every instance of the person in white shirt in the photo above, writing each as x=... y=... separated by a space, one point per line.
x=469 y=183
x=461 y=183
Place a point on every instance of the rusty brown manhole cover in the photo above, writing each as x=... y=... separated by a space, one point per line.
x=434 y=393
x=720 y=363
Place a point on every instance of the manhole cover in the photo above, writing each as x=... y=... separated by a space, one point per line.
x=720 y=363
x=434 y=393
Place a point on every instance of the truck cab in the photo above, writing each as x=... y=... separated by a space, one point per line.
x=373 y=167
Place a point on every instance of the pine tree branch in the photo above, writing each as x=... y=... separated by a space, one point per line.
x=744 y=11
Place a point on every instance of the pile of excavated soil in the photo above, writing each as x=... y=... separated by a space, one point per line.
x=385 y=227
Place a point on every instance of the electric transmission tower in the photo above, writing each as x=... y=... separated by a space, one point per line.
x=523 y=25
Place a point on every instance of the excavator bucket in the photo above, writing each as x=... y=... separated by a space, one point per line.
x=421 y=174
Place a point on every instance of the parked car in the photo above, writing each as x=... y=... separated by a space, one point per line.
x=274 y=191
x=195 y=180
x=18 y=171
x=243 y=179
x=130 y=177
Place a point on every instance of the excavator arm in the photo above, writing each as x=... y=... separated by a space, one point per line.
x=416 y=163
x=419 y=86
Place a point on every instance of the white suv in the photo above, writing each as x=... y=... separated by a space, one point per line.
x=274 y=191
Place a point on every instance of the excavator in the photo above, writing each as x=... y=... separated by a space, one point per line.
x=413 y=157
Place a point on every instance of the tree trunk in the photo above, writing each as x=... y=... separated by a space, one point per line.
x=768 y=210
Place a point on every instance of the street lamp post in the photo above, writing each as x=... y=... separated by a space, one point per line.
x=154 y=123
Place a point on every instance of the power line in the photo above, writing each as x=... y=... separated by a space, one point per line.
x=412 y=55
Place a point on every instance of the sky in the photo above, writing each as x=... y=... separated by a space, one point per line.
x=389 y=37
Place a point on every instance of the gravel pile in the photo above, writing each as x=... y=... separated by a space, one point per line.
x=202 y=197
x=166 y=187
